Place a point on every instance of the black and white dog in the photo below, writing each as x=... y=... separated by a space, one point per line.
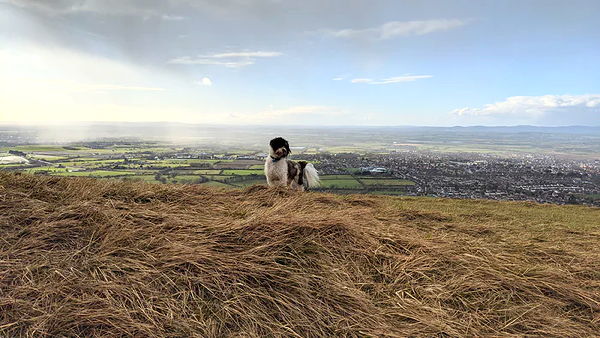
x=287 y=173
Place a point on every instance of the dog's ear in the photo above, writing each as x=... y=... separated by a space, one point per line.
x=287 y=147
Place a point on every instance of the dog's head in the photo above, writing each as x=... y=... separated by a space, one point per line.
x=279 y=147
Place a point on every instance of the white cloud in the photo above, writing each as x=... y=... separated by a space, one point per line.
x=172 y=17
x=361 y=80
x=142 y=8
x=395 y=79
x=257 y=54
x=205 y=82
x=110 y=7
x=186 y=60
x=394 y=29
x=339 y=78
x=535 y=106
x=229 y=59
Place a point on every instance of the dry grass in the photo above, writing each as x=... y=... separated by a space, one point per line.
x=85 y=257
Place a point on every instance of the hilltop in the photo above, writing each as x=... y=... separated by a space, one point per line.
x=86 y=257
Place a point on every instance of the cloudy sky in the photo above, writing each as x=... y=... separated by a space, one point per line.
x=310 y=62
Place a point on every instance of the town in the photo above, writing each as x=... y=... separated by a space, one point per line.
x=544 y=179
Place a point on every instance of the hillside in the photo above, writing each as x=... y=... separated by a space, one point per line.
x=85 y=257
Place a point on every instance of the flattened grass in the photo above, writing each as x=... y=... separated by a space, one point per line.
x=86 y=257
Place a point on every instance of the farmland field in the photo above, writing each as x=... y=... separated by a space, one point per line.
x=243 y=172
x=95 y=173
x=237 y=164
x=207 y=172
x=154 y=163
x=340 y=183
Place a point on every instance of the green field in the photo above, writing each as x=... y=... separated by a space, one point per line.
x=49 y=157
x=95 y=173
x=10 y=165
x=341 y=183
x=43 y=147
x=243 y=172
x=149 y=161
x=187 y=179
x=50 y=169
x=218 y=177
x=166 y=164
x=145 y=178
x=90 y=163
x=207 y=161
x=207 y=172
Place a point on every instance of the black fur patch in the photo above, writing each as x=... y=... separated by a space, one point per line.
x=296 y=169
x=301 y=175
x=280 y=142
x=292 y=171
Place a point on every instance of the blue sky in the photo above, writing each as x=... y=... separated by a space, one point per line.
x=436 y=63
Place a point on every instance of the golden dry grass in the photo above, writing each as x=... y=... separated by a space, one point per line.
x=85 y=257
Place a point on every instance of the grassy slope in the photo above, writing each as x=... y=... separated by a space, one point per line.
x=95 y=257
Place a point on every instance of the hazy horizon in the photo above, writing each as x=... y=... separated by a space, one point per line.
x=431 y=63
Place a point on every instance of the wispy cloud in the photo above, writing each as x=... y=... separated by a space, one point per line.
x=536 y=106
x=229 y=59
x=361 y=80
x=394 y=29
x=172 y=17
x=61 y=7
x=389 y=80
x=257 y=54
x=188 y=60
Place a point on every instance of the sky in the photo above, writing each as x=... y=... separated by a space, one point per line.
x=310 y=62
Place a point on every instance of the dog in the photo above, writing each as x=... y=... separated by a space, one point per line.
x=282 y=172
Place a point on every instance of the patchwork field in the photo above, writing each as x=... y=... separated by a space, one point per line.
x=155 y=164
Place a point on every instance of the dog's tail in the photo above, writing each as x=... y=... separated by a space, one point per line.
x=311 y=176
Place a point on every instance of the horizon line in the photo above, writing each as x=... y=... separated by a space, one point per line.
x=59 y=123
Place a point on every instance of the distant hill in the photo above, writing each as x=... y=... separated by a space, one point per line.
x=530 y=129
x=85 y=257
